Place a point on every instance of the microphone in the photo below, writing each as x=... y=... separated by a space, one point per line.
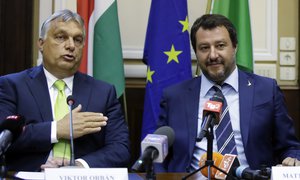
x=70 y=102
x=10 y=129
x=228 y=163
x=211 y=114
x=217 y=158
x=231 y=166
x=246 y=173
x=155 y=147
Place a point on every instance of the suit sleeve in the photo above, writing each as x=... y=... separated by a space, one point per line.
x=163 y=121
x=113 y=151
x=7 y=99
x=35 y=136
x=286 y=142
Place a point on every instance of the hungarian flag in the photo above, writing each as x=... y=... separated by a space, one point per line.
x=167 y=54
x=102 y=56
x=238 y=12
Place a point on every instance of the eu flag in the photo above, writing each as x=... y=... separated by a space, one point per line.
x=167 y=54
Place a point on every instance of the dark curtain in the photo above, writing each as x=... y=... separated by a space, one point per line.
x=16 y=22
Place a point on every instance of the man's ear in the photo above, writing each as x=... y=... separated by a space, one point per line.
x=236 y=49
x=40 y=44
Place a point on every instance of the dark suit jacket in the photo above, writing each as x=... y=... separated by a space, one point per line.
x=267 y=130
x=26 y=93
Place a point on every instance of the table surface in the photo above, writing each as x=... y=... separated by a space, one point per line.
x=170 y=176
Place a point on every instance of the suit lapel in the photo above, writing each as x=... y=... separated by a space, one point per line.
x=38 y=87
x=246 y=93
x=191 y=108
x=81 y=90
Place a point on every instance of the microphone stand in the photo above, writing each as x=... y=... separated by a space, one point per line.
x=150 y=173
x=72 y=160
x=209 y=163
x=3 y=170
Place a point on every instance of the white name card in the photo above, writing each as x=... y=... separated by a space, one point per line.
x=285 y=173
x=86 y=174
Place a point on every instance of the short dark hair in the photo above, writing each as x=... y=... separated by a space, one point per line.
x=211 y=21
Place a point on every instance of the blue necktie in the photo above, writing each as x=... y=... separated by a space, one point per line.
x=224 y=133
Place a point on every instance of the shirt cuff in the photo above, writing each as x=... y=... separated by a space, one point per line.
x=85 y=164
x=53 y=132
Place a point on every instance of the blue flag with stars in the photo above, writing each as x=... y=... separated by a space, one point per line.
x=167 y=54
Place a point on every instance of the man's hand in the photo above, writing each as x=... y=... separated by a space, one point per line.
x=56 y=162
x=291 y=162
x=83 y=123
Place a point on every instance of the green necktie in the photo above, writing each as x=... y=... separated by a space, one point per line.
x=62 y=147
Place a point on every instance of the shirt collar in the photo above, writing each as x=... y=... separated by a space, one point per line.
x=232 y=80
x=51 y=79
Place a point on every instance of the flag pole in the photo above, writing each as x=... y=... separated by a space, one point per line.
x=208 y=7
x=125 y=105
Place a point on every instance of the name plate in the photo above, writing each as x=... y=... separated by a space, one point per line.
x=285 y=172
x=86 y=174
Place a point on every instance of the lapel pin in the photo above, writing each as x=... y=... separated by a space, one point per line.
x=249 y=83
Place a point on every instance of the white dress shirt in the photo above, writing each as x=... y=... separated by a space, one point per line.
x=53 y=94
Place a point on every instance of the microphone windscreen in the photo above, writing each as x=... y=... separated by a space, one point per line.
x=228 y=163
x=213 y=107
x=13 y=123
x=70 y=100
x=157 y=142
x=217 y=158
x=167 y=131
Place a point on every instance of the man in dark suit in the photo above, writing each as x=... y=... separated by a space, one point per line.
x=100 y=131
x=263 y=131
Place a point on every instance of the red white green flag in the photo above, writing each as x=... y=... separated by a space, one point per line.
x=102 y=56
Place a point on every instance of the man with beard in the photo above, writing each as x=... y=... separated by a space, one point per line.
x=262 y=132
